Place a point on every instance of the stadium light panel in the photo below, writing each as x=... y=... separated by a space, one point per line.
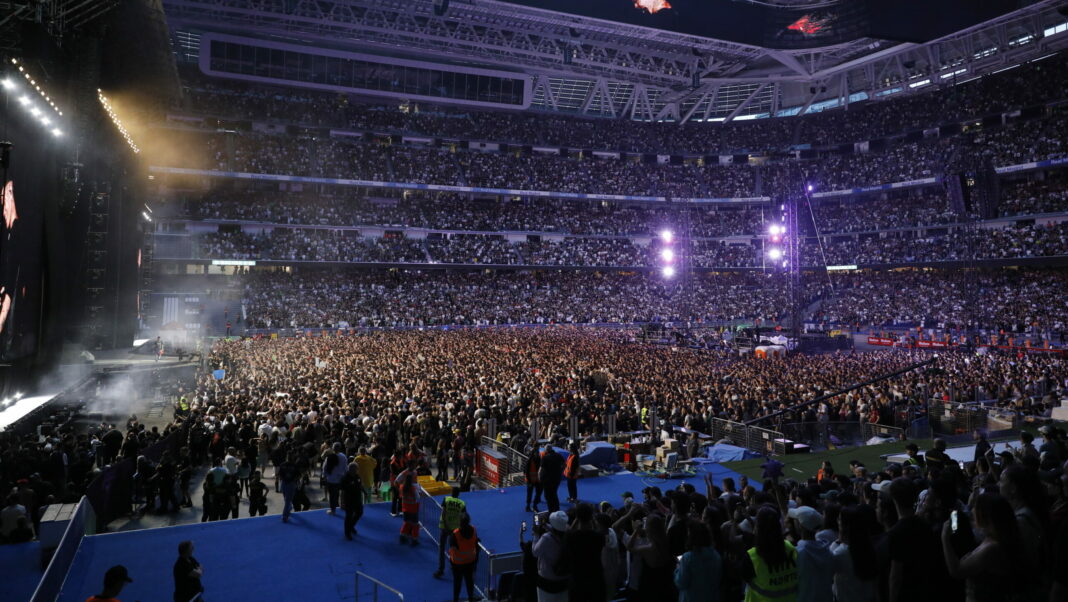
x=667 y=255
x=667 y=236
x=668 y=272
x=775 y=253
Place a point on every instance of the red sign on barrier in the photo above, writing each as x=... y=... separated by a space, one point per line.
x=488 y=465
x=881 y=341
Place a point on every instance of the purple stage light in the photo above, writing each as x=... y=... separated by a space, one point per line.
x=811 y=187
x=775 y=229
x=775 y=253
x=667 y=255
x=668 y=272
x=667 y=236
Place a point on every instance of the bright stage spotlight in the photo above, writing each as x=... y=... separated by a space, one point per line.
x=668 y=272
x=811 y=187
x=8 y=84
x=775 y=229
x=775 y=253
x=667 y=255
x=667 y=236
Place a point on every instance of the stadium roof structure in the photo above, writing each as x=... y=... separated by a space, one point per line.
x=587 y=65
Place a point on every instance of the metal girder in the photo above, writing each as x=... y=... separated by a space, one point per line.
x=655 y=65
x=745 y=103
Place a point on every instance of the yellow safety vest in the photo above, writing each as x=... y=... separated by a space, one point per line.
x=773 y=584
x=451 y=510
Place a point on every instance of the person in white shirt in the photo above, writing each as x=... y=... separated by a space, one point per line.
x=855 y=569
x=9 y=516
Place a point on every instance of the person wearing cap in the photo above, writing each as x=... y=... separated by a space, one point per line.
x=115 y=579
x=937 y=459
x=815 y=564
x=187 y=574
x=548 y=549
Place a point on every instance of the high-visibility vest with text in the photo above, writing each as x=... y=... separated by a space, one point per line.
x=773 y=584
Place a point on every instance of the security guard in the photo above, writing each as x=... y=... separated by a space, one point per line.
x=452 y=508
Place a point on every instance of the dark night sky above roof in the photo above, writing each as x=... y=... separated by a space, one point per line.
x=743 y=22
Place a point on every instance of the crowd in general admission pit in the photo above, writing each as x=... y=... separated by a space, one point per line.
x=401 y=299
x=1034 y=83
x=867 y=533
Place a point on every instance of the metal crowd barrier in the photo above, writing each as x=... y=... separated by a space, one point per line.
x=755 y=439
x=375 y=584
x=82 y=523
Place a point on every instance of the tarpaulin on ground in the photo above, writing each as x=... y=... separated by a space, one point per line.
x=722 y=452
x=599 y=454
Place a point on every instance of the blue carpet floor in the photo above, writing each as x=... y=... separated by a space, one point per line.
x=20 y=569
x=498 y=515
x=262 y=559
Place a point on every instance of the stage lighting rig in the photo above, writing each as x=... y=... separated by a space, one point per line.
x=29 y=93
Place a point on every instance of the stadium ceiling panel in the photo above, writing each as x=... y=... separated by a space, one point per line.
x=596 y=67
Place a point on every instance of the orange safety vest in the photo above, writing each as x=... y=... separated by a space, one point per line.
x=466 y=548
x=570 y=470
x=409 y=499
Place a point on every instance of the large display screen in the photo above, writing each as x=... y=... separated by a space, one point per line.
x=770 y=26
x=29 y=181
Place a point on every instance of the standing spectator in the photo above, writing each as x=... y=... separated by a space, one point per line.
x=650 y=545
x=982 y=446
x=352 y=494
x=548 y=548
x=911 y=543
x=771 y=570
x=367 y=466
x=988 y=570
x=187 y=574
x=114 y=580
x=550 y=473
x=571 y=473
x=10 y=515
x=257 y=496
x=533 y=480
x=452 y=508
x=409 y=497
x=335 y=465
x=582 y=554
x=463 y=556
x=815 y=564
x=855 y=569
x=289 y=476
x=397 y=466
x=700 y=572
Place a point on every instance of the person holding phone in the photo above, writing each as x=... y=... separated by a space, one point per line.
x=990 y=570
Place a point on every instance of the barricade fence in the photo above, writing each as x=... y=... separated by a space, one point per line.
x=961 y=418
x=511 y=469
x=82 y=523
x=111 y=493
x=827 y=435
x=489 y=564
x=755 y=439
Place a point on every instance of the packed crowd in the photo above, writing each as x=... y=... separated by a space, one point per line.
x=330 y=299
x=904 y=247
x=1034 y=83
x=1013 y=301
x=994 y=530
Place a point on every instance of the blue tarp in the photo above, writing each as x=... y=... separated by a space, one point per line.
x=599 y=454
x=723 y=452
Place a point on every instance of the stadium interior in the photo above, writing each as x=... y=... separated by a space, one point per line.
x=625 y=300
